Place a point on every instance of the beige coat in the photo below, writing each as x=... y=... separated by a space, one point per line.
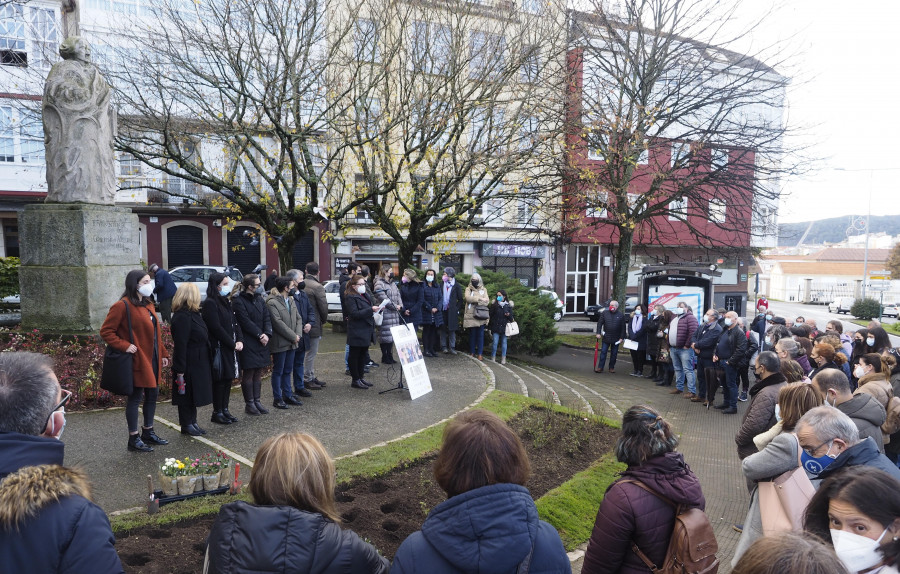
x=474 y=297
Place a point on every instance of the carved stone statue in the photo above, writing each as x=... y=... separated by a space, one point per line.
x=79 y=127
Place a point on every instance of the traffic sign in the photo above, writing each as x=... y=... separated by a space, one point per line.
x=879 y=285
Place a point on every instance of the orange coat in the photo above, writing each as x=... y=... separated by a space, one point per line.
x=115 y=332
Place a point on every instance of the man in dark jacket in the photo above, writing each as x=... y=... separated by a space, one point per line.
x=681 y=334
x=830 y=442
x=164 y=290
x=704 y=344
x=863 y=409
x=319 y=301
x=47 y=520
x=308 y=319
x=731 y=350
x=451 y=303
x=610 y=331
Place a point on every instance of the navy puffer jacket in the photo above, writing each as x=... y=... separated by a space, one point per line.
x=486 y=530
x=248 y=538
x=629 y=514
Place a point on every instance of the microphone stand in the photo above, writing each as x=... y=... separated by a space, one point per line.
x=399 y=386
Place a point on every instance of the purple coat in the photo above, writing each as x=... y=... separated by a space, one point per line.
x=629 y=513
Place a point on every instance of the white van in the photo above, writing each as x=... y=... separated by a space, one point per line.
x=841 y=305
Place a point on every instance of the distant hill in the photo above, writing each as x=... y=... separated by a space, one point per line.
x=833 y=230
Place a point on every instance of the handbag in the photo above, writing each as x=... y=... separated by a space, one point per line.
x=379 y=318
x=512 y=328
x=783 y=500
x=218 y=363
x=481 y=312
x=118 y=366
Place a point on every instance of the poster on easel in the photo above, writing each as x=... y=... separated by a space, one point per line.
x=411 y=360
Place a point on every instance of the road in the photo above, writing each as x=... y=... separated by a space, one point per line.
x=820 y=313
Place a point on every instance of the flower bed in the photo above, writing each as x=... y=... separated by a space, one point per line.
x=201 y=475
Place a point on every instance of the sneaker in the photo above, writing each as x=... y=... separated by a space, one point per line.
x=371 y=364
x=313 y=386
x=303 y=393
x=743 y=396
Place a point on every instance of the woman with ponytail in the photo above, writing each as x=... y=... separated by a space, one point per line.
x=629 y=513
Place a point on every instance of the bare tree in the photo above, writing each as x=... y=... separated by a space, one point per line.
x=673 y=131
x=464 y=132
x=231 y=102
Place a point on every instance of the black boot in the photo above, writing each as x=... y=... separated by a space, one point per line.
x=387 y=354
x=149 y=436
x=194 y=421
x=226 y=396
x=185 y=420
x=249 y=405
x=136 y=444
x=257 y=390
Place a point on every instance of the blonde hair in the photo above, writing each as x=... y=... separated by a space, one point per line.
x=294 y=469
x=186 y=297
x=411 y=275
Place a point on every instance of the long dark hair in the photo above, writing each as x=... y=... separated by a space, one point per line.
x=875 y=493
x=645 y=435
x=212 y=287
x=882 y=341
x=131 y=287
x=435 y=281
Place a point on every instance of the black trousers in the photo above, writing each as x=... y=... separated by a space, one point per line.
x=637 y=357
x=356 y=361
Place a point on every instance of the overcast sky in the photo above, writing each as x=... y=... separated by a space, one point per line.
x=846 y=93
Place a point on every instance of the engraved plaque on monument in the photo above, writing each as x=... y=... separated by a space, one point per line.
x=77 y=247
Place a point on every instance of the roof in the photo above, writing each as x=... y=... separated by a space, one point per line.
x=829 y=268
x=850 y=254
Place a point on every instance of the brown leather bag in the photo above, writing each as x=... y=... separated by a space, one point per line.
x=692 y=545
x=783 y=500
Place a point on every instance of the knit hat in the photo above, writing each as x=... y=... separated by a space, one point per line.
x=450 y=271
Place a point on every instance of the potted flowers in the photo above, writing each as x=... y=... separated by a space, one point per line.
x=168 y=476
x=210 y=467
x=224 y=468
x=187 y=480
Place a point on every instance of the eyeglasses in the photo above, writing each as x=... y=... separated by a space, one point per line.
x=812 y=451
x=66 y=396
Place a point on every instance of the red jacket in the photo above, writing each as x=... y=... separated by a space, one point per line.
x=115 y=332
x=687 y=326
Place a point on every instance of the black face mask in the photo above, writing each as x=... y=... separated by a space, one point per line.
x=474 y=282
x=302 y=285
x=292 y=292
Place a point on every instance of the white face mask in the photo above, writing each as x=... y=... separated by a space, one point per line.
x=855 y=551
x=870 y=342
x=638 y=312
x=859 y=372
x=429 y=278
x=146 y=290
x=360 y=289
x=728 y=321
x=769 y=317
x=678 y=310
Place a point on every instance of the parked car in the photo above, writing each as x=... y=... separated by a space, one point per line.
x=841 y=305
x=199 y=274
x=333 y=295
x=890 y=310
x=592 y=312
x=560 y=310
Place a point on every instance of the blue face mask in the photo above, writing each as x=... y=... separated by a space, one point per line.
x=225 y=291
x=500 y=298
x=815 y=465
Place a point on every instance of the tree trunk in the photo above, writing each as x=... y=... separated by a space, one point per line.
x=285 y=257
x=405 y=251
x=623 y=260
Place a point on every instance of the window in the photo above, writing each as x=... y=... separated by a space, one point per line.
x=129 y=166
x=528 y=133
x=44 y=38
x=530 y=63
x=361 y=189
x=125 y=6
x=429 y=47
x=367 y=41
x=681 y=151
x=644 y=157
x=7 y=135
x=526 y=207
x=678 y=209
x=635 y=207
x=717 y=211
x=12 y=36
x=29 y=36
x=367 y=112
x=31 y=140
x=21 y=136
x=597 y=207
x=486 y=126
x=532 y=6
x=176 y=186
x=488 y=55
x=719 y=158
x=490 y=213
x=597 y=143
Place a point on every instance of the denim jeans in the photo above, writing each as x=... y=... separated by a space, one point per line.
x=499 y=338
x=606 y=348
x=476 y=340
x=282 y=367
x=683 y=362
x=730 y=390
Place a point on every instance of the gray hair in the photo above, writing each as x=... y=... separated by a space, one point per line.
x=293 y=274
x=28 y=390
x=789 y=346
x=828 y=423
x=476 y=276
x=769 y=361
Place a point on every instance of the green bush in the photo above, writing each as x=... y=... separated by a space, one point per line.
x=866 y=309
x=533 y=313
x=9 y=276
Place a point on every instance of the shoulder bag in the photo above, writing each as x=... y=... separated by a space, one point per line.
x=512 y=328
x=118 y=366
x=481 y=312
x=783 y=500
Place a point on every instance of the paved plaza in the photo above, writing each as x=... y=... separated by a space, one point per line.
x=347 y=420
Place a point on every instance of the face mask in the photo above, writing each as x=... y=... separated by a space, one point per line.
x=146 y=290
x=638 y=312
x=293 y=291
x=870 y=342
x=429 y=278
x=613 y=309
x=859 y=372
x=474 y=282
x=678 y=310
x=500 y=298
x=768 y=340
x=857 y=552
x=404 y=279
x=360 y=289
x=224 y=291
x=778 y=412
x=815 y=465
x=827 y=404
x=445 y=279
x=302 y=285
x=769 y=317
x=63 y=427
x=728 y=322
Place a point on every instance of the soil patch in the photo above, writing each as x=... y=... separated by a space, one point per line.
x=387 y=509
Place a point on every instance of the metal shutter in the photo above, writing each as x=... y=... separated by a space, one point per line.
x=303 y=252
x=240 y=253
x=185 y=245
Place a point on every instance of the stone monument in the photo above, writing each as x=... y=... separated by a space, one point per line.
x=77 y=247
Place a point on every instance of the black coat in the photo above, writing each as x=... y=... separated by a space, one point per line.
x=500 y=315
x=307 y=315
x=191 y=357
x=641 y=334
x=612 y=325
x=253 y=317
x=455 y=305
x=413 y=296
x=652 y=340
x=433 y=299
x=248 y=538
x=360 y=320
x=223 y=331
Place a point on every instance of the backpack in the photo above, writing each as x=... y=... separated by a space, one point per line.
x=692 y=545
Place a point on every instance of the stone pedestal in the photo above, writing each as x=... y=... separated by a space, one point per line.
x=74 y=258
